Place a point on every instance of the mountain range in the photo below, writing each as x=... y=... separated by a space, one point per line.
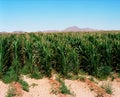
x=69 y=29
x=72 y=29
x=76 y=29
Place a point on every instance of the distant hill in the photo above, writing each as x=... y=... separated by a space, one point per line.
x=50 y=31
x=69 y=29
x=76 y=29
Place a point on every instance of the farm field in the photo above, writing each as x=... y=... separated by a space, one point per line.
x=90 y=59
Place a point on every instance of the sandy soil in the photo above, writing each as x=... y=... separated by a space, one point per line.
x=43 y=87
x=115 y=87
x=3 y=89
x=79 y=89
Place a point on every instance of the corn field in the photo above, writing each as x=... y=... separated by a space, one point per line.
x=40 y=54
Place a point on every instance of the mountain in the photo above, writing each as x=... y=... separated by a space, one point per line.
x=69 y=29
x=76 y=29
x=50 y=31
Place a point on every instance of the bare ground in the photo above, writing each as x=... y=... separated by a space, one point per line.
x=3 y=89
x=43 y=88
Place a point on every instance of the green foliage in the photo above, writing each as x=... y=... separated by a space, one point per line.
x=39 y=54
x=63 y=88
x=24 y=84
x=36 y=75
x=10 y=76
x=82 y=78
x=108 y=87
x=91 y=79
x=119 y=75
x=103 y=72
x=25 y=70
x=33 y=85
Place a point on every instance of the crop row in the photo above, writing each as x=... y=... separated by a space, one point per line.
x=41 y=54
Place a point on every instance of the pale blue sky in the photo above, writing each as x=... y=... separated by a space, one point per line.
x=34 y=15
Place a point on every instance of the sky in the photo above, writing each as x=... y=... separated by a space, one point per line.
x=37 y=15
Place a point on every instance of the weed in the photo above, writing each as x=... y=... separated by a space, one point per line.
x=82 y=78
x=91 y=89
x=108 y=87
x=25 y=70
x=119 y=75
x=103 y=72
x=93 y=80
x=112 y=78
x=33 y=85
x=82 y=72
x=11 y=92
x=24 y=84
x=99 y=95
x=36 y=75
x=10 y=76
x=63 y=88
x=54 y=91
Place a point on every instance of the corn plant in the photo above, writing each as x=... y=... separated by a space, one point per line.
x=41 y=53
